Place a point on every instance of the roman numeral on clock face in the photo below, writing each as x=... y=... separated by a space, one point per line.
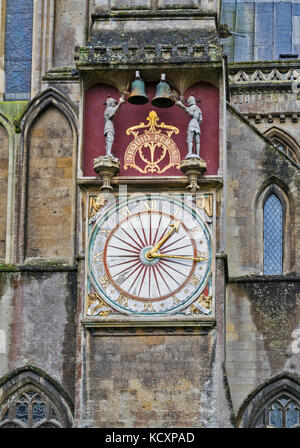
x=175 y=300
x=125 y=211
x=122 y=300
x=152 y=205
x=104 y=282
x=194 y=280
x=148 y=307
x=99 y=256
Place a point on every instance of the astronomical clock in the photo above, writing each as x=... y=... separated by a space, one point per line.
x=150 y=227
x=151 y=256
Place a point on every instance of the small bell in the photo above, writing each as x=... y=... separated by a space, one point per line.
x=163 y=94
x=138 y=95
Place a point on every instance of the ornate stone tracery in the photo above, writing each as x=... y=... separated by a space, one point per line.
x=275 y=404
x=30 y=408
x=283 y=141
x=32 y=400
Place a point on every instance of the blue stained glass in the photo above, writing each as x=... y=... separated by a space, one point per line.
x=5 y=416
x=18 y=48
x=22 y=410
x=292 y=415
x=30 y=394
x=38 y=412
x=273 y=236
x=276 y=416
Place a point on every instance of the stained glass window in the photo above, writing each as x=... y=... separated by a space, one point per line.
x=38 y=412
x=273 y=236
x=19 y=19
x=30 y=409
x=281 y=412
x=22 y=409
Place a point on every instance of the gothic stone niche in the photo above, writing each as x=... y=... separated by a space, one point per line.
x=49 y=186
x=139 y=130
x=150 y=257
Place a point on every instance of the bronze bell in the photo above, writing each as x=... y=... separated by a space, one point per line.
x=163 y=94
x=138 y=95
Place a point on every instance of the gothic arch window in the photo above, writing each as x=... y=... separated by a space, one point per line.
x=31 y=400
x=276 y=404
x=281 y=411
x=273 y=235
x=30 y=408
x=274 y=229
x=285 y=143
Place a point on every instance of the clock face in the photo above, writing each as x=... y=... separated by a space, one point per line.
x=150 y=254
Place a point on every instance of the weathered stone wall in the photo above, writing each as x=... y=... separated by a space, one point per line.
x=262 y=313
x=261 y=317
x=265 y=100
x=49 y=196
x=156 y=381
x=37 y=322
x=266 y=109
x=252 y=165
x=4 y=157
x=154 y=377
x=205 y=5
x=71 y=29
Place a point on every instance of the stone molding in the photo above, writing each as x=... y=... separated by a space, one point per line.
x=42 y=41
x=272 y=116
x=263 y=76
x=2 y=47
x=149 y=54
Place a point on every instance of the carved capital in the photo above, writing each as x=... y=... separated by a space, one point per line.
x=106 y=167
x=192 y=168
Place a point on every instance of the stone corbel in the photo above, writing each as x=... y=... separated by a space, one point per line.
x=193 y=168
x=106 y=167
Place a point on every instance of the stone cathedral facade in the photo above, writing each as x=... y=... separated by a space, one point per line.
x=149 y=238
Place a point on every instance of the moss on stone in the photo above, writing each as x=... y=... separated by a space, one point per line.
x=13 y=111
x=38 y=266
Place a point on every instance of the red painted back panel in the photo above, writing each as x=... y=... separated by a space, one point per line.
x=130 y=115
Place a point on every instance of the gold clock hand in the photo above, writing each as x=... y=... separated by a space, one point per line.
x=199 y=258
x=175 y=226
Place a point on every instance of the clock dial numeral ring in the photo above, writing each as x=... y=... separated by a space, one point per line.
x=152 y=262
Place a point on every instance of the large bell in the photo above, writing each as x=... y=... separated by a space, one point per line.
x=163 y=94
x=138 y=95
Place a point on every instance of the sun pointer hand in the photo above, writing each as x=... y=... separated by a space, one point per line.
x=175 y=226
x=201 y=257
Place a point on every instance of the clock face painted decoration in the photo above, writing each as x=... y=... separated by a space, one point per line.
x=150 y=255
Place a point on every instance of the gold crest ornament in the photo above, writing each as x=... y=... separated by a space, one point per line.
x=96 y=306
x=96 y=204
x=152 y=150
x=202 y=305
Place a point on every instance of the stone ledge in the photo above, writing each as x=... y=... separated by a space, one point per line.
x=147 y=326
x=204 y=52
x=165 y=13
x=39 y=267
x=66 y=74
x=264 y=278
x=146 y=182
